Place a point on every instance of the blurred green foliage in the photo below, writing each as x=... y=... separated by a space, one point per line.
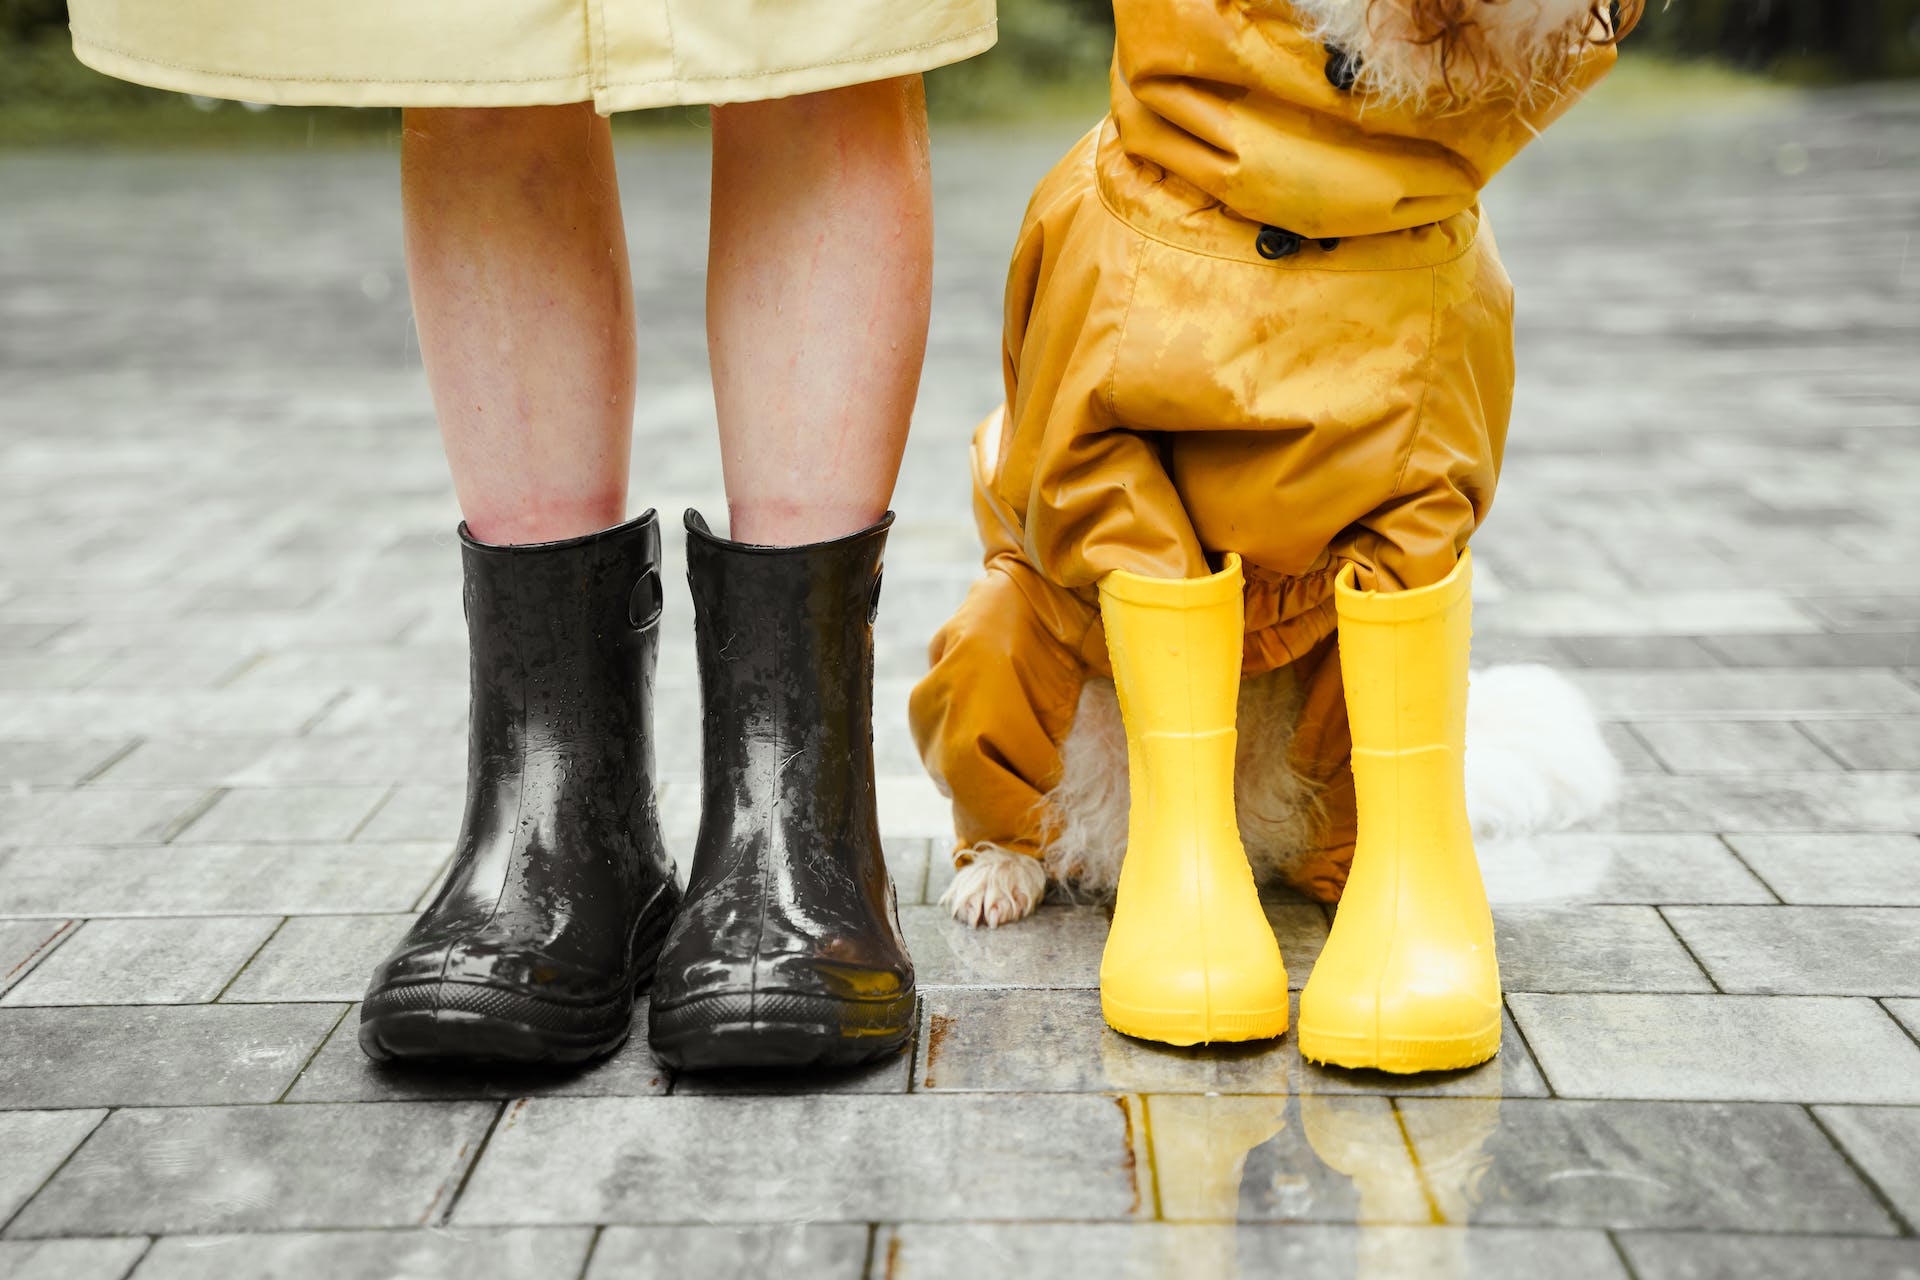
x=1051 y=60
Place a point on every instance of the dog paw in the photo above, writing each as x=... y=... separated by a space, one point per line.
x=997 y=887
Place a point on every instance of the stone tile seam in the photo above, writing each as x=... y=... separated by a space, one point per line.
x=192 y=814
x=1726 y=842
x=306 y=1063
x=1687 y=947
x=1912 y=1034
x=125 y=749
x=1435 y=1215
x=1800 y=727
x=1885 y=1201
x=465 y=1175
x=366 y=819
x=14 y=978
x=220 y=997
x=7 y=1223
x=1620 y=1251
x=593 y=1247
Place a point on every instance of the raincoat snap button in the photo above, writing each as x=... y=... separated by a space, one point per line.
x=1272 y=242
x=1342 y=69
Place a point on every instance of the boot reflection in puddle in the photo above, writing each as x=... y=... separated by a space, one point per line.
x=1436 y=1154
x=1202 y=1147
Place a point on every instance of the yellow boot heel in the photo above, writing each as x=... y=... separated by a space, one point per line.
x=1407 y=981
x=1191 y=957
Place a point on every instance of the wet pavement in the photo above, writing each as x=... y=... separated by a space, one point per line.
x=231 y=707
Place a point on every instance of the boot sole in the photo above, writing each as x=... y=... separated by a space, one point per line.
x=472 y=1022
x=1399 y=1055
x=778 y=1029
x=1185 y=1027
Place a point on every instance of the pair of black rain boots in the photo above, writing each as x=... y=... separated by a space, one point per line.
x=562 y=905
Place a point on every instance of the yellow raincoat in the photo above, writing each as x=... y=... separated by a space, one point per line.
x=1250 y=312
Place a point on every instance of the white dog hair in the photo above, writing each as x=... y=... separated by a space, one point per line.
x=1535 y=762
x=1488 y=50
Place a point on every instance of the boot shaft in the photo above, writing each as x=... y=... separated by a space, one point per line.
x=562 y=638
x=784 y=638
x=1175 y=646
x=1403 y=658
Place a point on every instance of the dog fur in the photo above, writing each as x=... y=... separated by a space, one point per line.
x=1441 y=53
x=1535 y=762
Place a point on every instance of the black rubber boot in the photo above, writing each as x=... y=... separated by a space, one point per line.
x=787 y=950
x=561 y=890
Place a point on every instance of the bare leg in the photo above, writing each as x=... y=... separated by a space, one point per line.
x=518 y=265
x=819 y=281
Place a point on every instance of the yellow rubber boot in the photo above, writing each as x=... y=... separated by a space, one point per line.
x=1407 y=981
x=1191 y=957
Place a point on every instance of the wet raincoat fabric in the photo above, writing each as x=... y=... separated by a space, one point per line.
x=1250 y=312
x=618 y=54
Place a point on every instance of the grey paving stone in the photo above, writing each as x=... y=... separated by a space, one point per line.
x=418 y=812
x=1892 y=743
x=120 y=713
x=340 y=1072
x=1580 y=867
x=1771 y=802
x=217 y=879
x=670 y=1160
x=1592 y=948
x=26 y=671
x=98 y=817
x=1820 y=650
x=836 y=1252
x=1773 y=695
x=440 y=1253
x=1153 y=1250
x=1012 y=1041
x=1836 y=869
x=1885 y=1143
x=1701 y=1166
x=155 y=1055
x=70 y=1259
x=283 y=815
x=172 y=761
x=1735 y=746
x=1678 y=613
x=62 y=763
x=238 y=1168
x=168 y=668
x=343 y=759
x=1248 y=1158
x=1054 y=947
x=1866 y=951
x=35 y=1143
x=318 y=958
x=1899 y=614
x=430 y=710
x=1637 y=651
x=25 y=943
x=1718 y=1256
x=155 y=961
x=1761 y=1048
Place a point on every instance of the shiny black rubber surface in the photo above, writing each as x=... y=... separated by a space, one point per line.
x=561 y=890
x=787 y=950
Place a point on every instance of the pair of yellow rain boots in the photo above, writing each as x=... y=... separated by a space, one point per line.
x=1407 y=981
